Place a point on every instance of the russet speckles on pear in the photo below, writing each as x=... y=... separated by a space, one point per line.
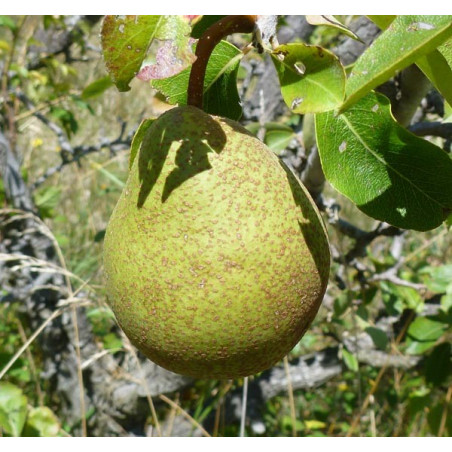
x=215 y=256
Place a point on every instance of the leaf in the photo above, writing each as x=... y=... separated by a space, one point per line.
x=203 y=24
x=13 y=409
x=174 y=54
x=96 y=88
x=42 y=422
x=389 y=173
x=313 y=424
x=350 y=360
x=277 y=136
x=383 y=21
x=424 y=329
x=438 y=365
x=125 y=41
x=439 y=71
x=138 y=138
x=418 y=348
x=220 y=83
x=312 y=79
x=379 y=337
x=406 y=40
x=436 y=65
x=440 y=278
x=6 y=21
x=331 y=21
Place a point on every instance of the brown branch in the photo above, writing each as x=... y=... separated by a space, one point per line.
x=210 y=38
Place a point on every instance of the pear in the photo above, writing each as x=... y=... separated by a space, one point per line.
x=216 y=258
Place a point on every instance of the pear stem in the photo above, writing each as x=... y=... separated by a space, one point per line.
x=210 y=38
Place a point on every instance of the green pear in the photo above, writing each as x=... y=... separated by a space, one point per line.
x=216 y=258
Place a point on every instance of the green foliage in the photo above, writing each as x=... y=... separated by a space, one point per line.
x=76 y=205
x=220 y=83
x=390 y=174
x=96 y=88
x=17 y=419
x=407 y=39
x=312 y=78
x=277 y=136
x=13 y=409
x=125 y=41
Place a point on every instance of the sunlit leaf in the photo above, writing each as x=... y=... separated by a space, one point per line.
x=125 y=41
x=13 y=409
x=174 y=51
x=42 y=422
x=424 y=329
x=331 y=21
x=312 y=78
x=389 y=173
x=407 y=39
x=350 y=360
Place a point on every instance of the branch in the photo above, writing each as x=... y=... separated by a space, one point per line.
x=436 y=129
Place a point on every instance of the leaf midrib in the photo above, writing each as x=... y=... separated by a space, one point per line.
x=386 y=164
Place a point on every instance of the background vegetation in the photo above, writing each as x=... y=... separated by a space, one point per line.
x=376 y=361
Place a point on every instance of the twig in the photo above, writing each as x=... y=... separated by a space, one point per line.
x=57 y=130
x=435 y=128
x=185 y=414
x=442 y=425
x=243 y=411
x=145 y=386
x=79 y=372
x=79 y=152
x=291 y=398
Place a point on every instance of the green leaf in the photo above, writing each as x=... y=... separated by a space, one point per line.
x=42 y=422
x=382 y=21
x=439 y=71
x=112 y=342
x=436 y=65
x=331 y=21
x=13 y=409
x=379 y=337
x=125 y=41
x=220 y=83
x=6 y=21
x=418 y=348
x=407 y=38
x=341 y=303
x=313 y=424
x=424 y=329
x=97 y=87
x=138 y=138
x=277 y=136
x=389 y=173
x=438 y=365
x=440 y=277
x=312 y=79
x=203 y=24
x=350 y=360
